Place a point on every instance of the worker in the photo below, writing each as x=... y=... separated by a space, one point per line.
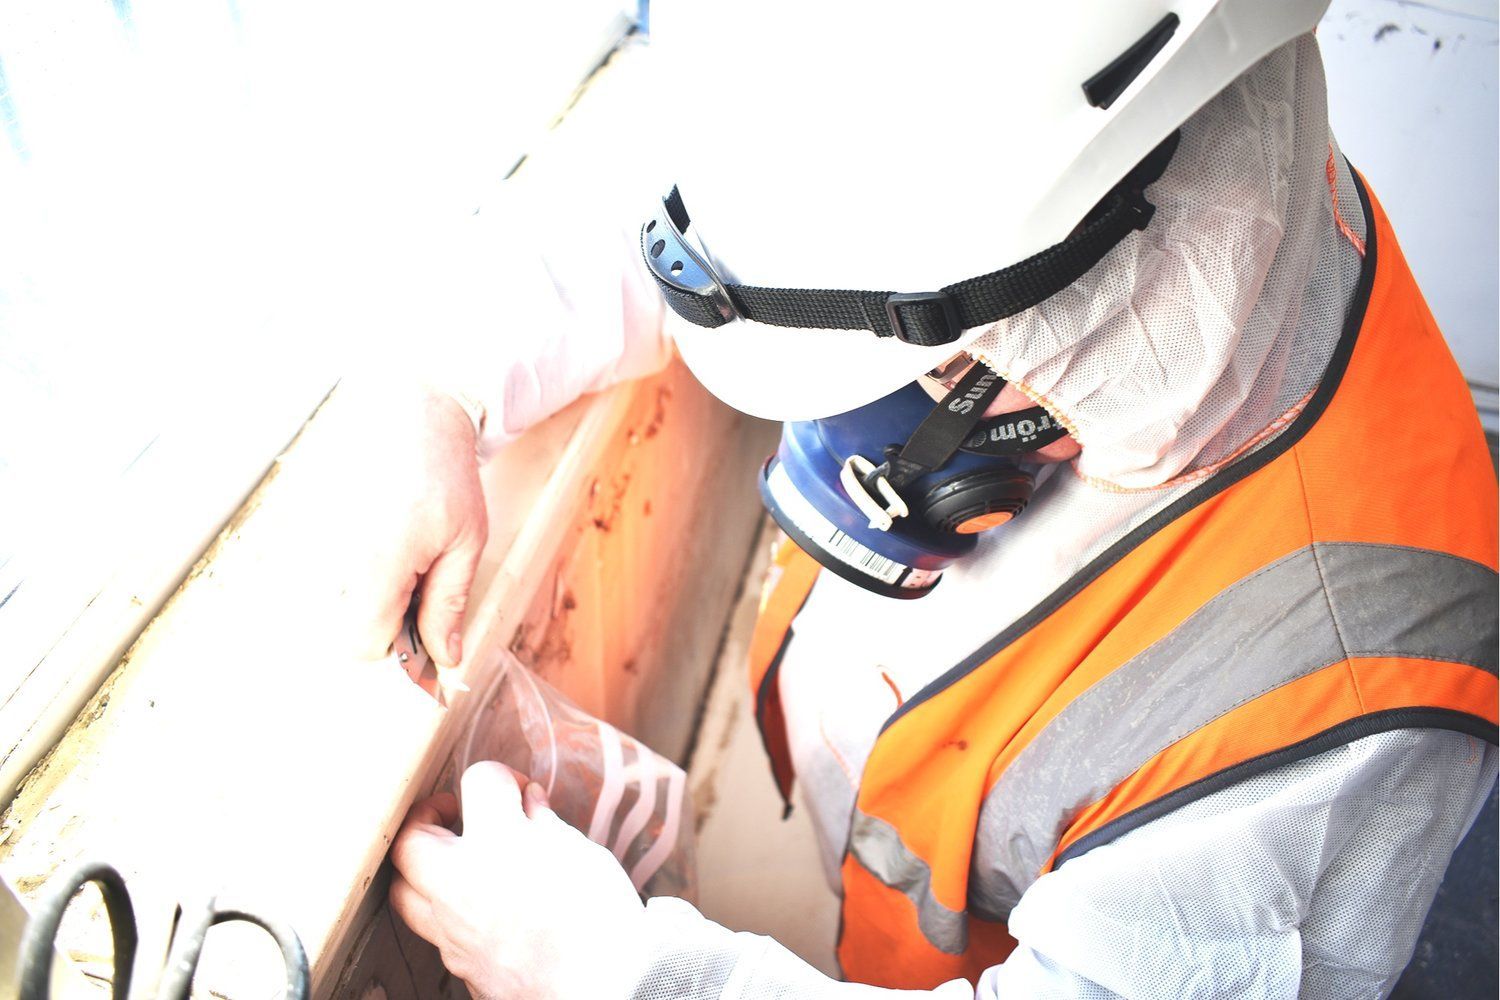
x=1197 y=701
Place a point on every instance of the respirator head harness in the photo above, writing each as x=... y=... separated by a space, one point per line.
x=695 y=291
x=889 y=494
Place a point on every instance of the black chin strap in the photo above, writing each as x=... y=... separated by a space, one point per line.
x=696 y=293
x=1017 y=433
x=943 y=430
x=954 y=425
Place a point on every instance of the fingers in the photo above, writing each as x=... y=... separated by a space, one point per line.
x=418 y=852
x=539 y=812
x=378 y=606
x=414 y=909
x=418 y=848
x=445 y=594
x=491 y=796
x=439 y=810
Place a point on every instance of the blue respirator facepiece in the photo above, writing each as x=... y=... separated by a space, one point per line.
x=890 y=494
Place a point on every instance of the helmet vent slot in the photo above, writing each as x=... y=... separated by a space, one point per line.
x=1109 y=83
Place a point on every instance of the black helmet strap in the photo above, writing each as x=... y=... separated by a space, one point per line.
x=696 y=292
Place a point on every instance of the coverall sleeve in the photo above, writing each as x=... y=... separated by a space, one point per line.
x=1310 y=880
x=541 y=294
x=568 y=305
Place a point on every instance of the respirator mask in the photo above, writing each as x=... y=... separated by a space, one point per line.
x=889 y=494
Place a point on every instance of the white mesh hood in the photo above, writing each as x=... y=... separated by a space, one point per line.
x=1193 y=336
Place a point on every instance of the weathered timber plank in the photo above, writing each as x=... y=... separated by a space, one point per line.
x=234 y=749
x=628 y=614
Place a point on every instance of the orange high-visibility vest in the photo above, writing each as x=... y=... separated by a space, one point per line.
x=1336 y=583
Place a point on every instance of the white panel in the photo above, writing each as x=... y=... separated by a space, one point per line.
x=1412 y=89
x=206 y=209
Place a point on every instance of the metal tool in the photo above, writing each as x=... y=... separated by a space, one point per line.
x=184 y=949
x=443 y=683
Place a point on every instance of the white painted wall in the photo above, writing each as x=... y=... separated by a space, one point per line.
x=1412 y=93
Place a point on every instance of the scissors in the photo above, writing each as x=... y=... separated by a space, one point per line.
x=186 y=944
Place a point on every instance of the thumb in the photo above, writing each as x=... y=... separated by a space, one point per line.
x=445 y=597
x=490 y=794
x=534 y=799
x=539 y=811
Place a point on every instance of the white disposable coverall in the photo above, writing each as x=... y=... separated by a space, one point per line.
x=1188 y=345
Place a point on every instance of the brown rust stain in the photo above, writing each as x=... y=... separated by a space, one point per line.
x=548 y=644
x=704 y=800
x=555 y=648
x=659 y=415
x=605 y=520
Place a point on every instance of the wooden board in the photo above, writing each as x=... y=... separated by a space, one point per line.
x=236 y=749
x=88 y=580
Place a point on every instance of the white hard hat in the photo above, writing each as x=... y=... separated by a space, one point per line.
x=909 y=147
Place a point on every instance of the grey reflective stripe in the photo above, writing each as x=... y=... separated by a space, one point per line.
x=877 y=845
x=1309 y=610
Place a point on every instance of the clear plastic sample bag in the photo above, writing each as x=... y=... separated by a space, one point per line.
x=619 y=792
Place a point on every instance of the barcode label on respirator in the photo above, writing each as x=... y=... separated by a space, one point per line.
x=824 y=532
x=868 y=560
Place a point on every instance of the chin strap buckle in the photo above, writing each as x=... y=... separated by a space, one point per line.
x=925 y=319
x=855 y=474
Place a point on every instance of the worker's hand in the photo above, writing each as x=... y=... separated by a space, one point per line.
x=520 y=905
x=410 y=513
